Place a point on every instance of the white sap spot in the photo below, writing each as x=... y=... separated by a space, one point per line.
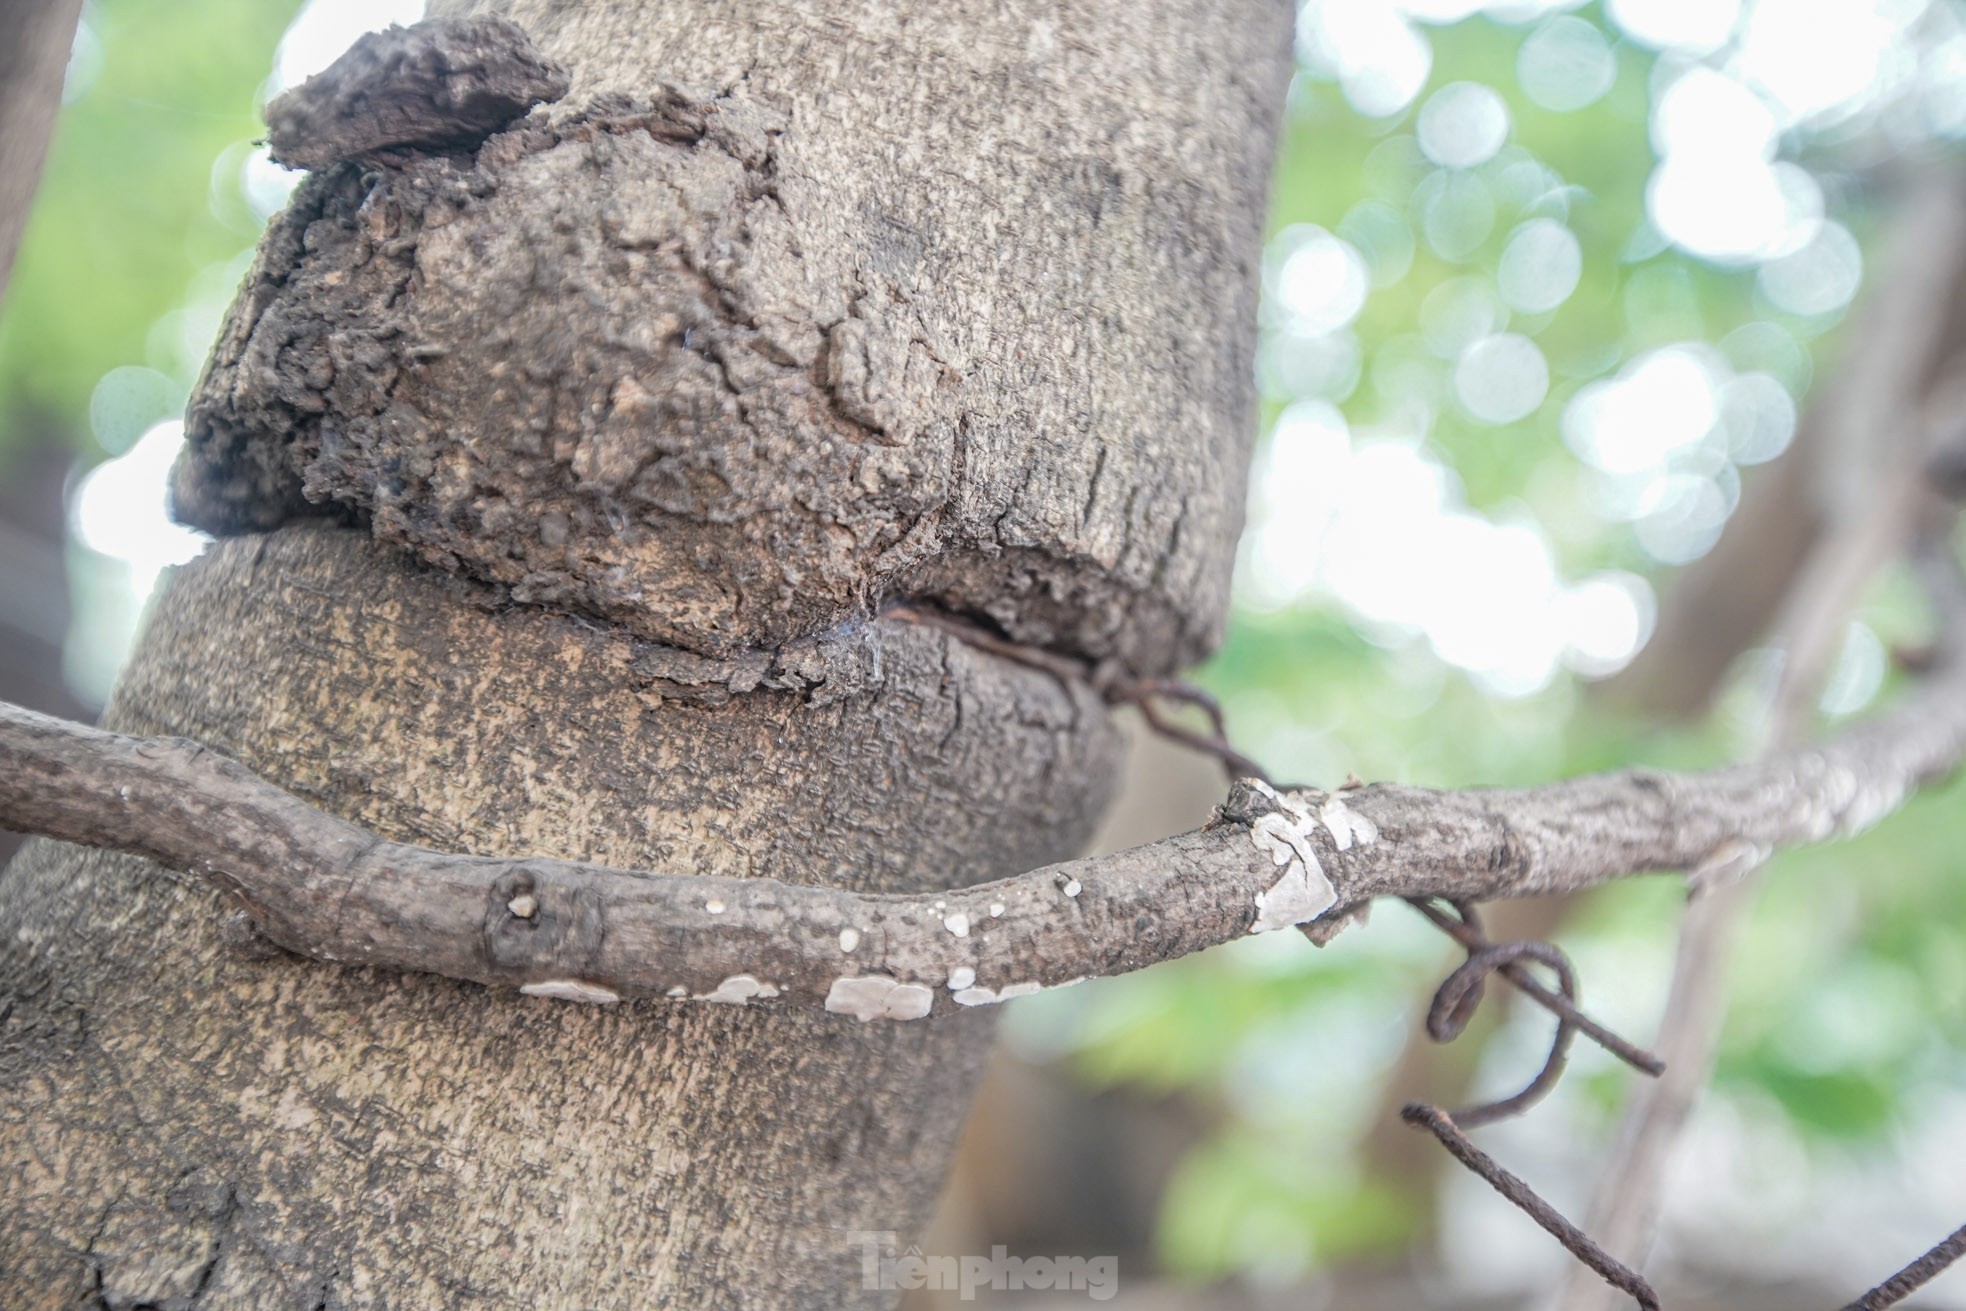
x=1293 y=899
x=1073 y=887
x=849 y=939
x=996 y=910
x=571 y=990
x=878 y=997
x=678 y=992
x=1292 y=803
x=714 y=906
x=957 y=924
x=1304 y=892
x=1282 y=840
x=737 y=990
x=991 y=996
x=1347 y=825
x=961 y=977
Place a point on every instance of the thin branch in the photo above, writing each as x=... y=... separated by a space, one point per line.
x=329 y=889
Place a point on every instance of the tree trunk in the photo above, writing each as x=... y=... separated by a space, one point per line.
x=667 y=391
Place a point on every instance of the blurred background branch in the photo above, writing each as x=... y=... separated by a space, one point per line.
x=35 y=36
x=1883 y=422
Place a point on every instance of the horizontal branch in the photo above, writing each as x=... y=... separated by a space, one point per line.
x=326 y=888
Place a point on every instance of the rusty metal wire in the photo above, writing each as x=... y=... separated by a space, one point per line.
x=1467 y=930
x=1457 y=998
x=1575 y=1241
x=1901 y=1285
x=1062 y=667
x=1145 y=694
x=1454 y=1005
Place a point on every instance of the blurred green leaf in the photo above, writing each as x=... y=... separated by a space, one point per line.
x=138 y=198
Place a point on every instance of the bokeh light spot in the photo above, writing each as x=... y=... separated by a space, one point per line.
x=1540 y=266
x=1566 y=65
x=1502 y=378
x=1463 y=124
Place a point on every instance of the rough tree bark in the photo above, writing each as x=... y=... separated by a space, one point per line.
x=617 y=432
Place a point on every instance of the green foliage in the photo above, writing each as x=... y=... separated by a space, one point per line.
x=134 y=242
x=1850 y=1000
x=1239 y=1203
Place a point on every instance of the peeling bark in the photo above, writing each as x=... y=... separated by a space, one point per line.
x=727 y=349
x=439 y=87
x=625 y=422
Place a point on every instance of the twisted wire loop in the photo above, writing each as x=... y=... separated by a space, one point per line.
x=1468 y=932
x=1454 y=1005
x=1901 y=1285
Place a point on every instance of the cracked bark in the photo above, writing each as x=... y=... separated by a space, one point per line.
x=815 y=343
x=615 y=432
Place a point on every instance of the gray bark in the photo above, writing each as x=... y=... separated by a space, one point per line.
x=186 y=1120
x=951 y=305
